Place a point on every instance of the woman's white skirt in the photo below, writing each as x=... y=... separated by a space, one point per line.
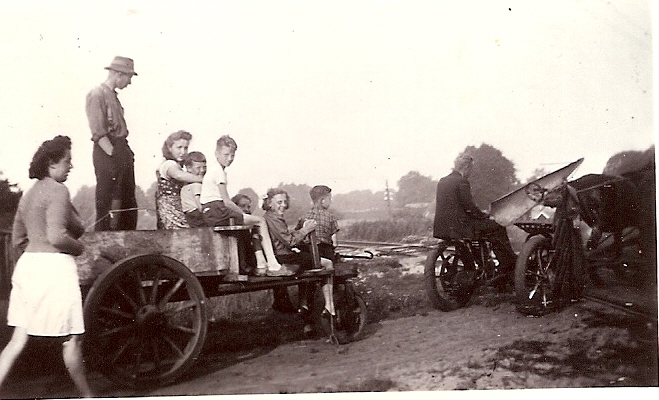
x=45 y=296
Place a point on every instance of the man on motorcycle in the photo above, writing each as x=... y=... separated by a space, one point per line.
x=457 y=217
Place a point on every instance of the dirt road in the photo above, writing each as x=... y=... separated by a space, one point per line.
x=407 y=347
x=485 y=346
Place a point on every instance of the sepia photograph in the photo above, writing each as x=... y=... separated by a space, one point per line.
x=328 y=198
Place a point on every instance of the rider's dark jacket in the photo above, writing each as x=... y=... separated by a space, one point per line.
x=455 y=209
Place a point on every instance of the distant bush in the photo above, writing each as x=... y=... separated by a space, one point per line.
x=390 y=230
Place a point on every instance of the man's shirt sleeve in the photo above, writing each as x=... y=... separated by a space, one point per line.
x=95 y=110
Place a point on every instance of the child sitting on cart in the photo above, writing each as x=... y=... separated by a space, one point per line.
x=219 y=210
x=195 y=163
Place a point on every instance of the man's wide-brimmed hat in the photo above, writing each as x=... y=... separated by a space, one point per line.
x=122 y=64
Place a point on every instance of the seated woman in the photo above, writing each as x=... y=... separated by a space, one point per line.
x=284 y=241
x=171 y=178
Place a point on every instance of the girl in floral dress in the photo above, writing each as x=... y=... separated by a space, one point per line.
x=171 y=178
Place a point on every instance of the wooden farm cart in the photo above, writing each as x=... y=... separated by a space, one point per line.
x=145 y=297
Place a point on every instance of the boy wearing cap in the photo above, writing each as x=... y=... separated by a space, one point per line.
x=327 y=224
x=112 y=157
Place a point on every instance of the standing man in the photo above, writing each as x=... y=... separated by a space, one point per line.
x=457 y=217
x=113 y=159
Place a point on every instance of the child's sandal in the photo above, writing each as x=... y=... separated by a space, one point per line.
x=261 y=271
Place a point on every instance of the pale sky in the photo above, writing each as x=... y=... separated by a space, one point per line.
x=350 y=94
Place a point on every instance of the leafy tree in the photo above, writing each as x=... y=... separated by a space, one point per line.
x=150 y=195
x=415 y=188
x=84 y=202
x=493 y=175
x=537 y=174
x=10 y=194
x=629 y=161
x=358 y=200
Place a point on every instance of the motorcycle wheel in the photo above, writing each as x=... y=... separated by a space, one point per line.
x=350 y=319
x=441 y=279
x=535 y=277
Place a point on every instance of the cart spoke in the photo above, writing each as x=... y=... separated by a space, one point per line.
x=174 y=347
x=120 y=351
x=154 y=287
x=116 y=331
x=140 y=288
x=170 y=293
x=117 y=312
x=138 y=359
x=127 y=297
x=156 y=354
x=182 y=306
x=182 y=328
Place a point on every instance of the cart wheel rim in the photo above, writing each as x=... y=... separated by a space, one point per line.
x=146 y=320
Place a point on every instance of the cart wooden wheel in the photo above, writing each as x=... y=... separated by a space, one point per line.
x=146 y=320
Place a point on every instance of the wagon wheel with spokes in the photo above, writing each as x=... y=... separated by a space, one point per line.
x=146 y=320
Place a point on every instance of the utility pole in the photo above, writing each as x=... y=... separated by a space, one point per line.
x=387 y=197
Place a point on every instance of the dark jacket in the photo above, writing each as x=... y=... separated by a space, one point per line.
x=455 y=209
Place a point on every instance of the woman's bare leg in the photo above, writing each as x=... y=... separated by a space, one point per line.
x=72 y=355
x=265 y=241
x=11 y=351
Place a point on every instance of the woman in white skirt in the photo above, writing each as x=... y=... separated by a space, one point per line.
x=45 y=298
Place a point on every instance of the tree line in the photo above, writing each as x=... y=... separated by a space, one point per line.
x=494 y=175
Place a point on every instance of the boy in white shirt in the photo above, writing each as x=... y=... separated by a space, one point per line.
x=219 y=210
x=195 y=163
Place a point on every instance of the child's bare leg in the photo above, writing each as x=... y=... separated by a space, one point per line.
x=328 y=286
x=265 y=241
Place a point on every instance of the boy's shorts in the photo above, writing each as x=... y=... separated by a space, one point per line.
x=216 y=213
x=195 y=219
x=325 y=250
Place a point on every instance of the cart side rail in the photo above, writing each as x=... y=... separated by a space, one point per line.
x=202 y=250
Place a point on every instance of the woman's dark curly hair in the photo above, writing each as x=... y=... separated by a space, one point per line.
x=173 y=137
x=50 y=152
x=272 y=193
